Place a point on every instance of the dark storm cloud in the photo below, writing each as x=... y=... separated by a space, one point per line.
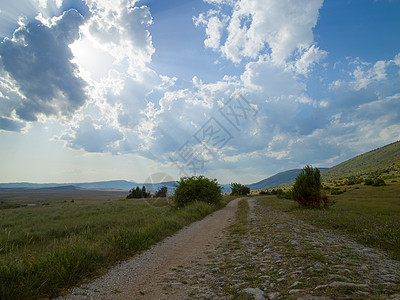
x=10 y=125
x=39 y=60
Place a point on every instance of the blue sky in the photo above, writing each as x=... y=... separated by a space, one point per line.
x=235 y=90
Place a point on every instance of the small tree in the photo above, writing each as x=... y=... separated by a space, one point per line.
x=162 y=192
x=197 y=188
x=307 y=189
x=239 y=189
x=138 y=193
x=144 y=193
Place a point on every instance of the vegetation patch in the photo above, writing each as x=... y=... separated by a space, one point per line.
x=370 y=214
x=197 y=188
x=45 y=249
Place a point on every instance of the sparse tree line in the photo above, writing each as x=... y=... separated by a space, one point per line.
x=138 y=193
x=307 y=190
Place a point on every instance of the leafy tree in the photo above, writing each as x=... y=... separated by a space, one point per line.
x=144 y=193
x=162 y=192
x=138 y=193
x=239 y=189
x=307 y=189
x=197 y=188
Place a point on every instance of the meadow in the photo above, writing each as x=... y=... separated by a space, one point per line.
x=78 y=234
x=370 y=214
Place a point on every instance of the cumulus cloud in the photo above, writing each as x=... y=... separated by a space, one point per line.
x=214 y=27
x=270 y=79
x=256 y=25
x=119 y=28
x=308 y=58
x=117 y=34
x=37 y=59
x=381 y=76
x=93 y=136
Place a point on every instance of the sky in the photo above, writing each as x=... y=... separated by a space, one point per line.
x=236 y=90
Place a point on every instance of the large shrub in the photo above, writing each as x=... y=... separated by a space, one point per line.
x=197 y=188
x=307 y=189
x=239 y=189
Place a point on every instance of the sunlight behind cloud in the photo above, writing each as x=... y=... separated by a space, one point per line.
x=110 y=76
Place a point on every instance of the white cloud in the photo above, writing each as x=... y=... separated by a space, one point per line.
x=310 y=56
x=256 y=25
x=48 y=3
x=366 y=75
x=270 y=79
x=121 y=30
x=214 y=27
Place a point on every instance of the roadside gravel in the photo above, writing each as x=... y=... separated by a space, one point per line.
x=281 y=257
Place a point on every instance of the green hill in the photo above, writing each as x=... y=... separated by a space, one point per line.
x=381 y=160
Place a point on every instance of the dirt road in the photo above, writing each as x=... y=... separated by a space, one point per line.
x=143 y=276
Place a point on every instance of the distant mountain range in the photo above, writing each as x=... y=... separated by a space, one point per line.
x=383 y=157
x=103 y=185
x=123 y=185
x=119 y=185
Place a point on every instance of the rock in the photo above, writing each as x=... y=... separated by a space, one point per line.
x=295 y=291
x=256 y=292
x=295 y=273
x=296 y=283
x=310 y=297
x=338 y=284
x=361 y=293
x=321 y=287
x=273 y=295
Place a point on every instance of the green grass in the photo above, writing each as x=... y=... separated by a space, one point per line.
x=45 y=249
x=242 y=214
x=376 y=161
x=370 y=214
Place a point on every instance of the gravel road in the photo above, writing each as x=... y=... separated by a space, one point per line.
x=145 y=275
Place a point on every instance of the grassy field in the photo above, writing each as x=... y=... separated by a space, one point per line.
x=47 y=248
x=378 y=161
x=371 y=214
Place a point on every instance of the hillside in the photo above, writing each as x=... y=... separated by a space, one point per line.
x=275 y=180
x=379 y=159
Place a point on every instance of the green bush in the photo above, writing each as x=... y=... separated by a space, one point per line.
x=374 y=181
x=197 y=188
x=379 y=182
x=286 y=195
x=239 y=189
x=307 y=189
x=369 y=181
x=336 y=191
